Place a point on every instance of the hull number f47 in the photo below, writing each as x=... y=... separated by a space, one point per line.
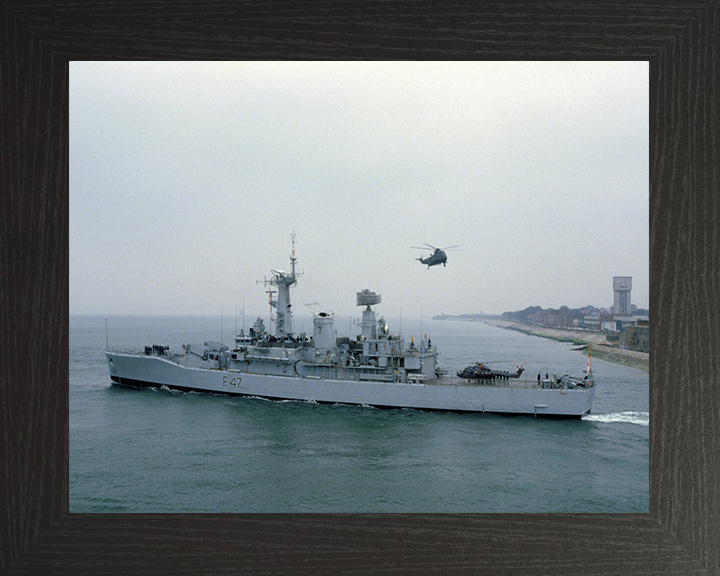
x=233 y=382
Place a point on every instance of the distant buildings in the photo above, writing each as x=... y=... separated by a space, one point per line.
x=620 y=325
x=636 y=337
x=599 y=321
x=563 y=317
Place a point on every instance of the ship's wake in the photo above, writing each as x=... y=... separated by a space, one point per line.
x=639 y=418
x=164 y=388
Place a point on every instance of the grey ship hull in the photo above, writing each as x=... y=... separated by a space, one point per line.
x=444 y=394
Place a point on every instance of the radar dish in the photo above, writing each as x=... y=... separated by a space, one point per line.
x=368 y=298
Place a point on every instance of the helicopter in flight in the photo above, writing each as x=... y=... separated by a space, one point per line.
x=437 y=257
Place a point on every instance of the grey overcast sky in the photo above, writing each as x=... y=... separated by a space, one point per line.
x=187 y=180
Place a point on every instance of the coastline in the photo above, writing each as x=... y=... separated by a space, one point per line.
x=600 y=347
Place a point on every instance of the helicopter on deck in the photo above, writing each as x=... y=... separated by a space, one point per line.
x=437 y=257
x=480 y=371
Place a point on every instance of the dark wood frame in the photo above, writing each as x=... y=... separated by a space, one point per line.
x=680 y=535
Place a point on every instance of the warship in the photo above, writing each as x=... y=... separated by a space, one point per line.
x=375 y=368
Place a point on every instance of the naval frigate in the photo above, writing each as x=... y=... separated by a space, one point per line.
x=375 y=368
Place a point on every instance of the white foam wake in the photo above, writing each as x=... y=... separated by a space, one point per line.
x=164 y=388
x=639 y=418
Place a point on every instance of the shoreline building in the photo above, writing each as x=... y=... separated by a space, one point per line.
x=622 y=286
x=636 y=337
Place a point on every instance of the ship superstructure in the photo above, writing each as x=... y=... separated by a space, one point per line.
x=283 y=308
x=375 y=367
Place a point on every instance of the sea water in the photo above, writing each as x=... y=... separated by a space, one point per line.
x=155 y=450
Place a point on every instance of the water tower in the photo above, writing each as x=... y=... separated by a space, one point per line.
x=622 y=285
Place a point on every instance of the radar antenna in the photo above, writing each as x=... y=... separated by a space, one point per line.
x=312 y=306
x=368 y=326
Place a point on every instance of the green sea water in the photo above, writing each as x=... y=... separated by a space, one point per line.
x=154 y=450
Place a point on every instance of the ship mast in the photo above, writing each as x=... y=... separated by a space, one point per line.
x=283 y=309
x=292 y=256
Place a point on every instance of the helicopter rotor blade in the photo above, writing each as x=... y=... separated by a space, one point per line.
x=419 y=247
x=449 y=247
x=431 y=246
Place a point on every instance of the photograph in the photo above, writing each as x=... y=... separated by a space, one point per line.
x=359 y=287
x=356 y=288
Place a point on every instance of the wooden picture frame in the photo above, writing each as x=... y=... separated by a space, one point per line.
x=681 y=532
